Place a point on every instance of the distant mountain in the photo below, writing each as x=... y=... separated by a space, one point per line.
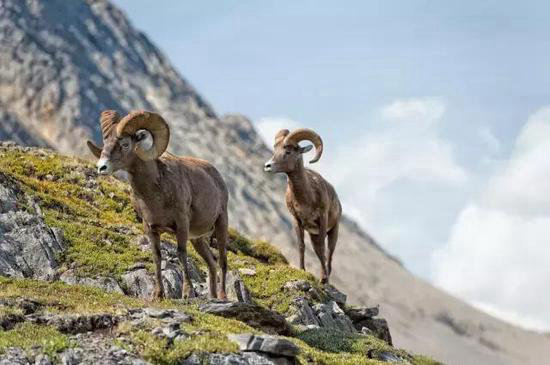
x=62 y=62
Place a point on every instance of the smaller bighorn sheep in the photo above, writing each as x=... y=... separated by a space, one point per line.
x=183 y=195
x=310 y=199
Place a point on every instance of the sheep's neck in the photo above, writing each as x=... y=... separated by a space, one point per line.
x=299 y=185
x=144 y=177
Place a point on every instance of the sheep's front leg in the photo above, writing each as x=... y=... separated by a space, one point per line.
x=154 y=240
x=318 y=242
x=301 y=245
x=203 y=250
x=181 y=235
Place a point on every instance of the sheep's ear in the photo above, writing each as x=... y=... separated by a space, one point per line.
x=306 y=149
x=96 y=151
x=144 y=140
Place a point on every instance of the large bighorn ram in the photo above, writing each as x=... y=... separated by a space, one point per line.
x=183 y=195
x=310 y=199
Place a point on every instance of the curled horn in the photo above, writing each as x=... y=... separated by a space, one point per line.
x=151 y=122
x=280 y=136
x=108 y=120
x=306 y=134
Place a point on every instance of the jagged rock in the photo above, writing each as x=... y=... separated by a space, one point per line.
x=74 y=323
x=301 y=285
x=269 y=344
x=335 y=295
x=246 y=358
x=253 y=315
x=138 y=283
x=236 y=289
x=158 y=313
x=165 y=315
x=93 y=348
x=14 y=356
x=141 y=283
x=359 y=314
x=105 y=283
x=172 y=278
x=71 y=357
x=332 y=316
x=326 y=315
x=42 y=359
x=303 y=314
x=171 y=332
x=379 y=327
x=364 y=321
x=28 y=247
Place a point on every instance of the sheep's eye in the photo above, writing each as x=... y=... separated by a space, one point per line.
x=287 y=152
x=125 y=145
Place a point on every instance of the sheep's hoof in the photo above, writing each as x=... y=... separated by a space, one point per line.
x=158 y=294
x=324 y=280
x=190 y=294
x=222 y=295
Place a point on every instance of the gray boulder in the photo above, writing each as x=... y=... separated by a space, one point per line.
x=106 y=283
x=236 y=289
x=28 y=247
x=254 y=315
x=245 y=358
x=268 y=344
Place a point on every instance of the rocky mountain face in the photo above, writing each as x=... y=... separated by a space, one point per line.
x=61 y=63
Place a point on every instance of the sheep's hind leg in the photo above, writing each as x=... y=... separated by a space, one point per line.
x=318 y=243
x=332 y=239
x=187 y=290
x=201 y=246
x=154 y=240
x=301 y=244
x=222 y=239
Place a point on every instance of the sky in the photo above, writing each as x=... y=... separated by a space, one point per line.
x=435 y=117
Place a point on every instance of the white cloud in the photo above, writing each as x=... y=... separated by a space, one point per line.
x=403 y=145
x=489 y=139
x=498 y=253
x=422 y=112
x=269 y=126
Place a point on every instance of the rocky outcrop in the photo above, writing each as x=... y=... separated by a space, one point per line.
x=246 y=358
x=254 y=315
x=28 y=247
x=267 y=344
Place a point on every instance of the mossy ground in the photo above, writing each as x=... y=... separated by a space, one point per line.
x=29 y=336
x=101 y=230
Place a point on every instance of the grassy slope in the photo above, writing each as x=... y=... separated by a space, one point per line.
x=101 y=230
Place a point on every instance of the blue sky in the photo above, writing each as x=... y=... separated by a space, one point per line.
x=422 y=106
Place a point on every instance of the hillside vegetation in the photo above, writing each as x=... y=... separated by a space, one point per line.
x=102 y=239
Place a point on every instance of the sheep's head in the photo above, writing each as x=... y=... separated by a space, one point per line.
x=139 y=135
x=287 y=153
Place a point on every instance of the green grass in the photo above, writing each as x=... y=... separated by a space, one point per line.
x=74 y=298
x=258 y=249
x=27 y=336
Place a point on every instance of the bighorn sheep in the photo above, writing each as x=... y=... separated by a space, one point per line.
x=183 y=195
x=310 y=199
